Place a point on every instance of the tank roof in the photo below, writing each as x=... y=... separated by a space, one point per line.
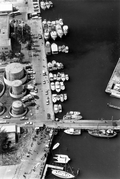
x=14 y=68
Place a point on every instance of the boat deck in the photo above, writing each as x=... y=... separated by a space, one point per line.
x=115 y=78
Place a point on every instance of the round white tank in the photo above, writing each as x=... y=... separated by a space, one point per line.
x=14 y=71
x=17 y=107
x=17 y=87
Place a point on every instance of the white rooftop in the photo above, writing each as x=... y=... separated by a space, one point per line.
x=4 y=7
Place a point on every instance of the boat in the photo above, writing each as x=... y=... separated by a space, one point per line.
x=53 y=34
x=56 y=108
x=113 y=106
x=60 y=108
x=65 y=29
x=108 y=133
x=56 y=146
x=62 y=85
x=43 y=5
x=65 y=96
x=115 y=94
x=72 y=117
x=46 y=35
x=62 y=174
x=54 y=48
x=61 y=97
x=47 y=4
x=72 y=131
x=74 y=113
x=51 y=4
x=61 y=158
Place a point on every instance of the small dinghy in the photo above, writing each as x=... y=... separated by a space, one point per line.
x=62 y=174
x=56 y=146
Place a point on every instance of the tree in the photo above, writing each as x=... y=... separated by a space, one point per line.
x=3 y=141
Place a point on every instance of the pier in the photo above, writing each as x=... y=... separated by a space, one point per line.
x=81 y=124
x=115 y=78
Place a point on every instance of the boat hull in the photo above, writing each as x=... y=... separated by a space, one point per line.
x=98 y=134
x=62 y=174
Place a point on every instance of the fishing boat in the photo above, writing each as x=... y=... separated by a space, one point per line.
x=109 y=133
x=43 y=5
x=74 y=113
x=62 y=174
x=72 y=131
x=61 y=158
x=113 y=106
x=56 y=146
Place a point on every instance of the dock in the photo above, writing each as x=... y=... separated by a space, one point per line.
x=115 y=78
x=50 y=166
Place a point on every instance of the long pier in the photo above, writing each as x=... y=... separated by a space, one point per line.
x=81 y=124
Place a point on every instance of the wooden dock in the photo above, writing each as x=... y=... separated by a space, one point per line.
x=115 y=78
x=50 y=166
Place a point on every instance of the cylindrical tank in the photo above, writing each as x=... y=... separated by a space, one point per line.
x=17 y=108
x=17 y=87
x=14 y=71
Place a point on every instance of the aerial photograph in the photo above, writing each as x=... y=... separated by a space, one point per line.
x=59 y=89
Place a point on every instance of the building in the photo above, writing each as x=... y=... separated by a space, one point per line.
x=12 y=131
x=5 y=42
x=6 y=8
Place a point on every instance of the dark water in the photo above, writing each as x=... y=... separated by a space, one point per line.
x=94 y=51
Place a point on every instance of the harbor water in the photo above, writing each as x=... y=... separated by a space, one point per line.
x=93 y=39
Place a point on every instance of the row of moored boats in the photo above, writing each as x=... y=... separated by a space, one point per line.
x=54 y=29
x=46 y=4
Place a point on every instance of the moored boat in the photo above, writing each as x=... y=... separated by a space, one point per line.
x=72 y=131
x=74 y=113
x=56 y=146
x=106 y=133
x=62 y=174
x=61 y=158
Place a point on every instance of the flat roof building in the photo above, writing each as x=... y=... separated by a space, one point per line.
x=5 y=42
x=6 y=7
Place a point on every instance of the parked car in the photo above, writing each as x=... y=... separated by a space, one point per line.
x=24 y=118
x=28 y=123
x=6 y=117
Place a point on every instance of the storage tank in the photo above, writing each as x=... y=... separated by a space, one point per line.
x=17 y=108
x=17 y=87
x=14 y=71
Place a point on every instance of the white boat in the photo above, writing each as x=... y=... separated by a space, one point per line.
x=43 y=5
x=62 y=76
x=60 y=108
x=73 y=131
x=51 y=4
x=65 y=29
x=56 y=108
x=54 y=48
x=74 y=113
x=61 y=158
x=72 y=117
x=115 y=93
x=66 y=77
x=61 y=97
x=57 y=86
x=62 y=85
x=52 y=86
x=53 y=34
x=56 y=146
x=47 y=4
x=65 y=96
x=46 y=35
x=62 y=174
